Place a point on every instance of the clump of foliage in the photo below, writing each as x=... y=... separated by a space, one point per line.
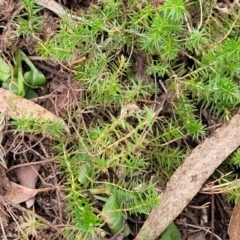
x=150 y=68
x=20 y=83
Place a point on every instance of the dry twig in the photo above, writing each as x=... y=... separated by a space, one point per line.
x=190 y=176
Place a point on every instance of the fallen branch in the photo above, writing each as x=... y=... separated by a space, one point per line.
x=57 y=8
x=190 y=176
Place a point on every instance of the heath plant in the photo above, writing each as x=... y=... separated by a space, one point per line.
x=149 y=70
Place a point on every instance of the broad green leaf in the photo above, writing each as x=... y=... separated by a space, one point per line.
x=5 y=70
x=85 y=170
x=112 y=216
x=20 y=84
x=13 y=87
x=34 y=78
x=171 y=233
x=30 y=93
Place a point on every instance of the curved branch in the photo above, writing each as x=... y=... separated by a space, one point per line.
x=190 y=176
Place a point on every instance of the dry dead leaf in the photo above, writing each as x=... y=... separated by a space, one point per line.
x=16 y=106
x=56 y=8
x=190 y=176
x=67 y=95
x=234 y=225
x=19 y=193
x=28 y=177
x=52 y=5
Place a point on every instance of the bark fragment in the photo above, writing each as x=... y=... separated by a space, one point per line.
x=190 y=176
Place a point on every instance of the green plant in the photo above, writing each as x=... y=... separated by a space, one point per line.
x=171 y=233
x=30 y=226
x=105 y=147
x=35 y=126
x=19 y=83
x=29 y=22
x=149 y=71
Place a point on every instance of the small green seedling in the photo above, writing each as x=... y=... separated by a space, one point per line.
x=171 y=233
x=21 y=84
x=5 y=70
x=33 y=77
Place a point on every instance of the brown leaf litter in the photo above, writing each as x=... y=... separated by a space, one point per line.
x=18 y=107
